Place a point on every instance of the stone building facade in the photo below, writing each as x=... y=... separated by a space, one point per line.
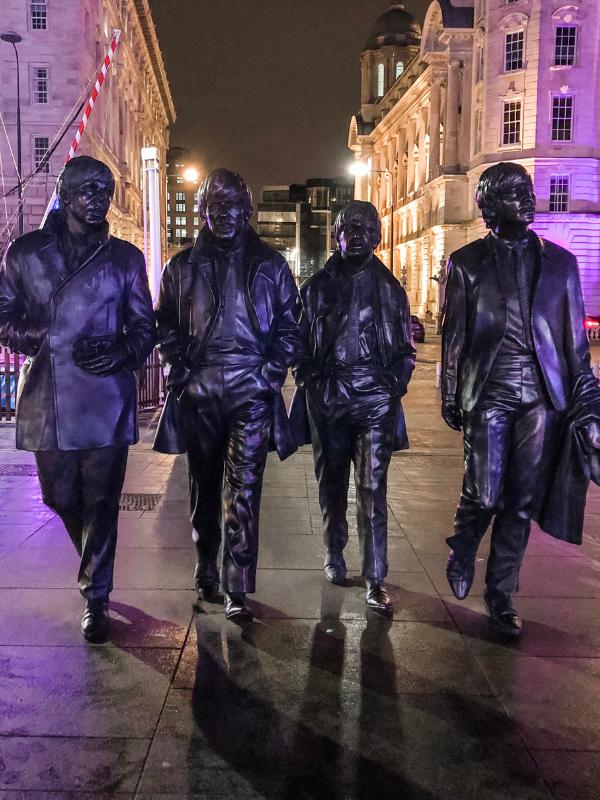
x=492 y=80
x=63 y=45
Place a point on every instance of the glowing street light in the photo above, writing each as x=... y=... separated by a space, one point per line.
x=191 y=175
x=359 y=169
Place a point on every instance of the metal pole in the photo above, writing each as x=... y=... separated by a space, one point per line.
x=19 y=163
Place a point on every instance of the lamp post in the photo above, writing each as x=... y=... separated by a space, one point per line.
x=359 y=169
x=13 y=38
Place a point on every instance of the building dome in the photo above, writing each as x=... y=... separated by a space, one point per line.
x=395 y=27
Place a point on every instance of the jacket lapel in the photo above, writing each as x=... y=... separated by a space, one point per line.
x=52 y=255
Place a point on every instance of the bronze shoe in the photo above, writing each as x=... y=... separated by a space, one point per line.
x=95 y=622
x=378 y=598
x=236 y=608
x=460 y=574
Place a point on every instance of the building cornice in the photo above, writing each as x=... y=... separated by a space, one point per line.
x=146 y=23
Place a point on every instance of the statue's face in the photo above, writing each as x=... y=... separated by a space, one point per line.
x=517 y=206
x=359 y=236
x=226 y=214
x=89 y=203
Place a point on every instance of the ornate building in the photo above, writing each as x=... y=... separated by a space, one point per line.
x=63 y=44
x=485 y=81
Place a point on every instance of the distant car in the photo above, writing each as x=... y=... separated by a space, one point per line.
x=418 y=329
x=592 y=326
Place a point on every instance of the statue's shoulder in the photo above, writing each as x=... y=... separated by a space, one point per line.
x=471 y=254
x=558 y=255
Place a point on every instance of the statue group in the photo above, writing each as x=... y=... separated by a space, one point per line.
x=229 y=324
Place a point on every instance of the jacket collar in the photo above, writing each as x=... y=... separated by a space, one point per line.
x=255 y=248
x=51 y=250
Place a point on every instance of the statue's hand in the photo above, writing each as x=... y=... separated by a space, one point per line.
x=451 y=415
x=113 y=359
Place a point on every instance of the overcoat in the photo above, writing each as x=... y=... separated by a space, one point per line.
x=475 y=321
x=325 y=303
x=59 y=405
x=187 y=309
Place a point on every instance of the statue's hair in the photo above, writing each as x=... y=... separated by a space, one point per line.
x=79 y=171
x=356 y=207
x=223 y=182
x=494 y=183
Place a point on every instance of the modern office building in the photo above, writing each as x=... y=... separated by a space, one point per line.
x=298 y=220
x=183 y=222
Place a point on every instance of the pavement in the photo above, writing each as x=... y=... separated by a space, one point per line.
x=312 y=700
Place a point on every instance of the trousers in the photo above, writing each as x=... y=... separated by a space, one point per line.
x=506 y=437
x=352 y=416
x=227 y=413
x=84 y=488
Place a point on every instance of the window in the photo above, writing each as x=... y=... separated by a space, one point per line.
x=559 y=193
x=179 y=196
x=195 y=205
x=380 y=80
x=196 y=232
x=39 y=15
x=562 y=118
x=39 y=84
x=179 y=220
x=196 y=221
x=399 y=68
x=513 y=51
x=180 y=233
x=40 y=149
x=511 y=122
x=168 y=220
x=179 y=179
x=565 y=45
x=179 y=206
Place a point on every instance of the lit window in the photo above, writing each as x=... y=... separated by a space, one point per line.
x=513 y=51
x=179 y=206
x=179 y=179
x=168 y=220
x=39 y=15
x=196 y=232
x=565 y=45
x=511 y=122
x=399 y=68
x=562 y=118
x=39 y=84
x=40 y=149
x=559 y=193
x=380 y=80
x=196 y=221
x=179 y=196
x=195 y=205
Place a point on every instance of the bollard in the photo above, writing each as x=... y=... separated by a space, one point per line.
x=438 y=374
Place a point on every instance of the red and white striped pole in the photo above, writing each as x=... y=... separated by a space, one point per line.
x=87 y=111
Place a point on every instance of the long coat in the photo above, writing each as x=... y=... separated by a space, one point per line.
x=187 y=309
x=475 y=321
x=59 y=405
x=325 y=304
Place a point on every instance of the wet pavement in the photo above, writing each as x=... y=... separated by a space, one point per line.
x=312 y=699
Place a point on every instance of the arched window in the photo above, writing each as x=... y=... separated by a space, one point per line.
x=399 y=68
x=380 y=80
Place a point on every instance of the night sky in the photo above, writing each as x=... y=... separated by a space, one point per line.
x=267 y=87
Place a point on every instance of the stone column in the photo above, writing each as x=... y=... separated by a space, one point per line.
x=410 y=167
x=423 y=114
x=451 y=124
x=465 y=114
x=434 y=129
x=400 y=175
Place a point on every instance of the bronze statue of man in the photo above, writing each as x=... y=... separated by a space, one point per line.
x=76 y=302
x=228 y=330
x=356 y=362
x=513 y=347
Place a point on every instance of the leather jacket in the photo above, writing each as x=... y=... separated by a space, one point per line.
x=475 y=322
x=61 y=406
x=188 y=306
x=324 y=307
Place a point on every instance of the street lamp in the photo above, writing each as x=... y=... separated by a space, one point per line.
x=359 y=169
x=13 y=38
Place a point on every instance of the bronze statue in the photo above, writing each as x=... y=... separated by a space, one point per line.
x=356 y=362
x=514 y=346
x=76 y=302
x=227 y=326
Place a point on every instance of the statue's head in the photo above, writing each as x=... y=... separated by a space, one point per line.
x=85 y=188
x=357 y=229
x=224 y=203
x=505 y=196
